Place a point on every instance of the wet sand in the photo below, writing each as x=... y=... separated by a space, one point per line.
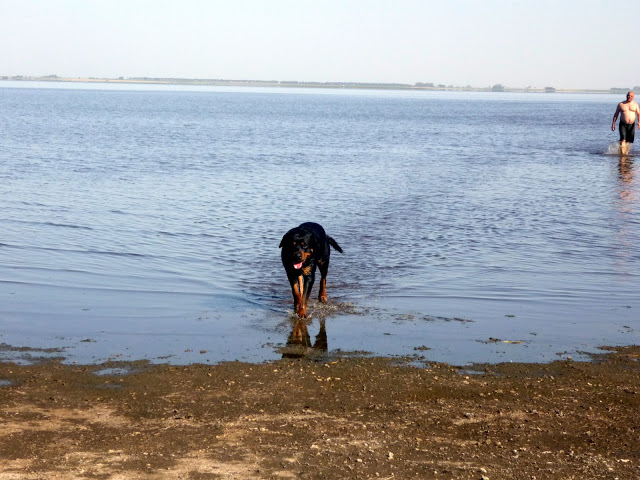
x=333 y=418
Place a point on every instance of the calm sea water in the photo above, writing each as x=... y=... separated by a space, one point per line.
x=144 y=222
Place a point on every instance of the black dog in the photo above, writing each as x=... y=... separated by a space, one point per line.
x=304 y=248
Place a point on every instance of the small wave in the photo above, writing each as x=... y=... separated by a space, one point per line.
x=186 y=235
x=65 y=225
x=50 y=224
x=115 y=254
x=80 y=251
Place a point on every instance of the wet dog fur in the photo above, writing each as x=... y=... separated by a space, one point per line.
x=303 y=249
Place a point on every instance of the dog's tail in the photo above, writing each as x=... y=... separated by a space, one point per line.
x=334 y=244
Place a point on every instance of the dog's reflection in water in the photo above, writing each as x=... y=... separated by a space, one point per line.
x=299 y=341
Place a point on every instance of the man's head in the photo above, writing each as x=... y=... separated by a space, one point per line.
x=630 y=96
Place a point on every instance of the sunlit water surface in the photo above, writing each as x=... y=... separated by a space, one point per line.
x=144 y=222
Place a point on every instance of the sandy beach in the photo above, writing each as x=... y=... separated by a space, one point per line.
x=335 y=418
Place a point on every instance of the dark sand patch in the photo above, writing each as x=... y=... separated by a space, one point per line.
x=346 y=418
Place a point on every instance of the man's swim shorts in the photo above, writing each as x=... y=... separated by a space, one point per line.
x=627 y=132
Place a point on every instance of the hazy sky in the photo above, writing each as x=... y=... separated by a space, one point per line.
x=561 y=43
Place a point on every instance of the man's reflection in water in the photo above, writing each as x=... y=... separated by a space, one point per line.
x=627 y=185
x=299 y=341
x=624 y=243
x=625 y=169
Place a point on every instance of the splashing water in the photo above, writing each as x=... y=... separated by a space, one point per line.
x=613 y=149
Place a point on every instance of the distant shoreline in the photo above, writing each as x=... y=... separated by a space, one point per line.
x=301 y=84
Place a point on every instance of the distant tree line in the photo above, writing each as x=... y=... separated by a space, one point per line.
x=498 y=87
x=622 y=91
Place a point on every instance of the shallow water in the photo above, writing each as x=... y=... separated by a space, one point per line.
x=144 y=222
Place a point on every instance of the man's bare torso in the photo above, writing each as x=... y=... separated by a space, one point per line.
x=628 y=109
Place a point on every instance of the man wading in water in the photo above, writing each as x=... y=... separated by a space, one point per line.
x=630 y=114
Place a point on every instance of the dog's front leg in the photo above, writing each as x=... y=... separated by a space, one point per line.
x=299 y=298
x=324 y=268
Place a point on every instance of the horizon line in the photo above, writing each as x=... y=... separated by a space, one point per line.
x=498 y=87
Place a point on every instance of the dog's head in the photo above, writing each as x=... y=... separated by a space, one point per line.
x=297 y=246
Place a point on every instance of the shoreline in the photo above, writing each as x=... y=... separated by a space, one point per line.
x=303 y=84
x=334 y=330
x=345 y=418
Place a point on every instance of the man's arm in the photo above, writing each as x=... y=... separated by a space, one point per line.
x=615 y=118
x=638 y=115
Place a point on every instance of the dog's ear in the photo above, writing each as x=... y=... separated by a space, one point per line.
x=285 y=239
